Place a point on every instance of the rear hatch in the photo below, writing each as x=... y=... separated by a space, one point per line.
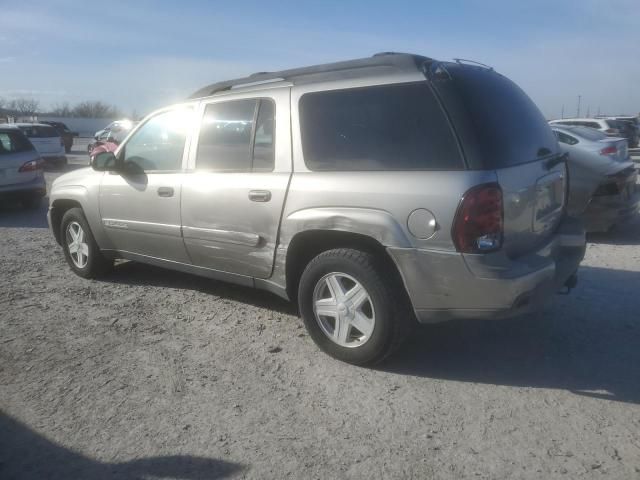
x=15 y=151
x=46 y=139
x=501 y=129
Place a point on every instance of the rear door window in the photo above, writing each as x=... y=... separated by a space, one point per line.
x=390 y=127
x=498 y=123
x=237 y=136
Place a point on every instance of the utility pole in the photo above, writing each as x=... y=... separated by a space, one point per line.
x=579 y=100
x=598 y=110
x=562 y=114
x=588 y=111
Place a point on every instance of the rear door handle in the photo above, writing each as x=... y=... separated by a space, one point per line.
x=165 y=191
x=259 y=195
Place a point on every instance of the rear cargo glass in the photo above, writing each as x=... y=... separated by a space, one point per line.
x=389 y=127
x=497 y=121
x=14 y=142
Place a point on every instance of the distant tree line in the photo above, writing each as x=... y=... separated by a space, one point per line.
x=86 y=109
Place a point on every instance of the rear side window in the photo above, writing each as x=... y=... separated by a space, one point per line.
x=14 y=142
x=40 y=132
x=564 y=138
x=237 y=136
x=497 y=119
x=391 y=127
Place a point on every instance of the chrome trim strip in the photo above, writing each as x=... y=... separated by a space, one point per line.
x=144 y=227
x=223 y=236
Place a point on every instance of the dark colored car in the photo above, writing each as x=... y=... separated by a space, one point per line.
x=66 y=134
x=630 y=129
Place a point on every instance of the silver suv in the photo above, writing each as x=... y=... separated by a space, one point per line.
x=374 y=192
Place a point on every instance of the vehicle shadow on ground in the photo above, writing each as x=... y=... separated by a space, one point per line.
x=625 y=234
x=133 y=273
x=587 y=343
x=26 y=455
x=13 y=215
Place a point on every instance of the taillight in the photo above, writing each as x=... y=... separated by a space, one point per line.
x=609 y=151
x=478 y=227
x=31 y=166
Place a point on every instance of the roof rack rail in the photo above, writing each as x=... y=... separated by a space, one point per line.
x=466 y=60
x=403 y=61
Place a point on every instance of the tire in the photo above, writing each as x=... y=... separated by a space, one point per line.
x=87 y=261
x=386 y=303
x=67 y=149
x=31 y=203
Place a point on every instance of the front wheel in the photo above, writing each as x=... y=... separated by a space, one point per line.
x=352 y=306
x=80 y=248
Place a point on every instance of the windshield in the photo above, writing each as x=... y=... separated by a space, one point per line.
x=497 y=117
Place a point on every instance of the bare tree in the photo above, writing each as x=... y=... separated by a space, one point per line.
x=94 y=109
x=61 y=110
x=24 y=106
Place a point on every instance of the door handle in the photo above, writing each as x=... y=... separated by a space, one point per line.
x=259 y=195
x=165 y=191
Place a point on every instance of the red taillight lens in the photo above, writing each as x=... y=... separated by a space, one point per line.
x=609 y=151
x=478 y=226
x=31 y=166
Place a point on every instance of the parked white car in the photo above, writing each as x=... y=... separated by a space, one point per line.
x=609 y=127
x=47 y=141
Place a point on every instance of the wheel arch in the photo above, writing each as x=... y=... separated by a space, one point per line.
x=307 y=244
x=57 y=210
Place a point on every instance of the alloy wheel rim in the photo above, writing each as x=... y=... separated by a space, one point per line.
x=344 y=310
x=78 y=247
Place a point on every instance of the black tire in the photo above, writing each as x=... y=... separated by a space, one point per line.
x=67 y=149
x=31 y=203
x=393 y=318
x=96 y=264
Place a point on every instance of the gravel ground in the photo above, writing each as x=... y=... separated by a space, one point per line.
x=155 y=374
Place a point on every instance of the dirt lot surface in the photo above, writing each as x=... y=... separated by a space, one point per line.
x=155 y=374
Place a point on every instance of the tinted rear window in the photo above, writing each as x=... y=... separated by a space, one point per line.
x=390 y=127
x=499 y=121
x=589 y=133
x=13 y=142
x=37 y=131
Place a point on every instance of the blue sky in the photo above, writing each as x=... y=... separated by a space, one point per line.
x=145 y=54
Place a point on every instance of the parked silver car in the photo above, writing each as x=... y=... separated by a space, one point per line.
x=21 y=175
x=47 y=140
x=602 y=177
x=373 y=192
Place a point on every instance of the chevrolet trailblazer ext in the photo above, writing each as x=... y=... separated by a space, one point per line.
x=375 y=192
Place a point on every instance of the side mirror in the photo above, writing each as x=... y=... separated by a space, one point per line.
x=104 y=162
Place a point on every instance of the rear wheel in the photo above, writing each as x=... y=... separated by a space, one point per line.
x=353 y=309
x=80 y=248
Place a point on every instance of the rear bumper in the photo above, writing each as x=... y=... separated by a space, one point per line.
x=54 y=158
x=444 y=286
x=35 y=187
x=606 y=211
